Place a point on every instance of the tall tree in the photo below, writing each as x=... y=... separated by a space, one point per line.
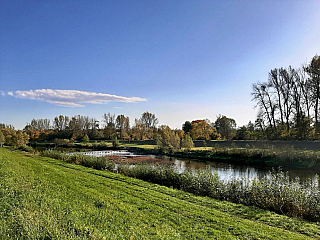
x=18 y=139
x=313 y=70
x=305 y=88
x=186 y=141
x=122 y=124
x=61 y=123
x=201 y=129
x=186 y=127
x=267 y=107
x=226 y=127
x=139 y=131
x=167 y=139
x=287 y=76
x=149 y=120
x=110 y=125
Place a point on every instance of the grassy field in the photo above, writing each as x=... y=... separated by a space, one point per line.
x=43 y=198
x=144 y=146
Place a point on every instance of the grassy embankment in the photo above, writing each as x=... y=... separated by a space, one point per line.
x=43 y=198
x=275 y=192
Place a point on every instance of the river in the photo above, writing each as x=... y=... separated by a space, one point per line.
x=225 y=171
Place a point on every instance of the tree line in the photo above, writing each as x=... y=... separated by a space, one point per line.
x=288 y=103
x=82 y=128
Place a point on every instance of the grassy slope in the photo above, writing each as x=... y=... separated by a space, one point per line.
x=42 y=198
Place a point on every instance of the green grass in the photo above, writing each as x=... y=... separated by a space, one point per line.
x=143 y=146
x=43 y=198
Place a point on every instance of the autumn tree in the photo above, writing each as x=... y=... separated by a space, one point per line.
x=139 y=130
x=180 y=133
x=187 y=142
x=202 y=130
x=150 y=121
x=17 y=139
x=226 y=127
x=167 y=140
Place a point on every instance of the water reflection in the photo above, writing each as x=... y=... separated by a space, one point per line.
x=224 y=171
x=227 y=171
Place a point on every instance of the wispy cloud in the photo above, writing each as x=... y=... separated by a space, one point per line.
x=71 y=98
x=2 y=93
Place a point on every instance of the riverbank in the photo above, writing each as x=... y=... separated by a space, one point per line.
x=265 y=156
x=295 y=159
x=43 y=198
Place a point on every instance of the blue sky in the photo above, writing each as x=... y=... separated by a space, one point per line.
x=181 y=60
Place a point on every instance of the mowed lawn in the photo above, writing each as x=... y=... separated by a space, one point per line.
x=43 y=198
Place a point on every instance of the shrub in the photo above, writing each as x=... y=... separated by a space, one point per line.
x=100 y=163
x=85 y=139
x=115 y=142
x=27 y=149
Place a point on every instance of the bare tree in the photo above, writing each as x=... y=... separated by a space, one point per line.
x=149 y=120
x=122 y=124
x=267 y=107
x=313 y=70
x=61 y=123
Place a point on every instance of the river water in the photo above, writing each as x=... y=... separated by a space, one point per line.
x=225 y=171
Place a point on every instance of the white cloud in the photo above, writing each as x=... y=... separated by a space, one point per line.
x=72 y=98
x=2 y=93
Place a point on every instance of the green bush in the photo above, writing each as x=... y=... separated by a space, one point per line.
x=115 y=142
x=100 y=163
x=27 y=149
